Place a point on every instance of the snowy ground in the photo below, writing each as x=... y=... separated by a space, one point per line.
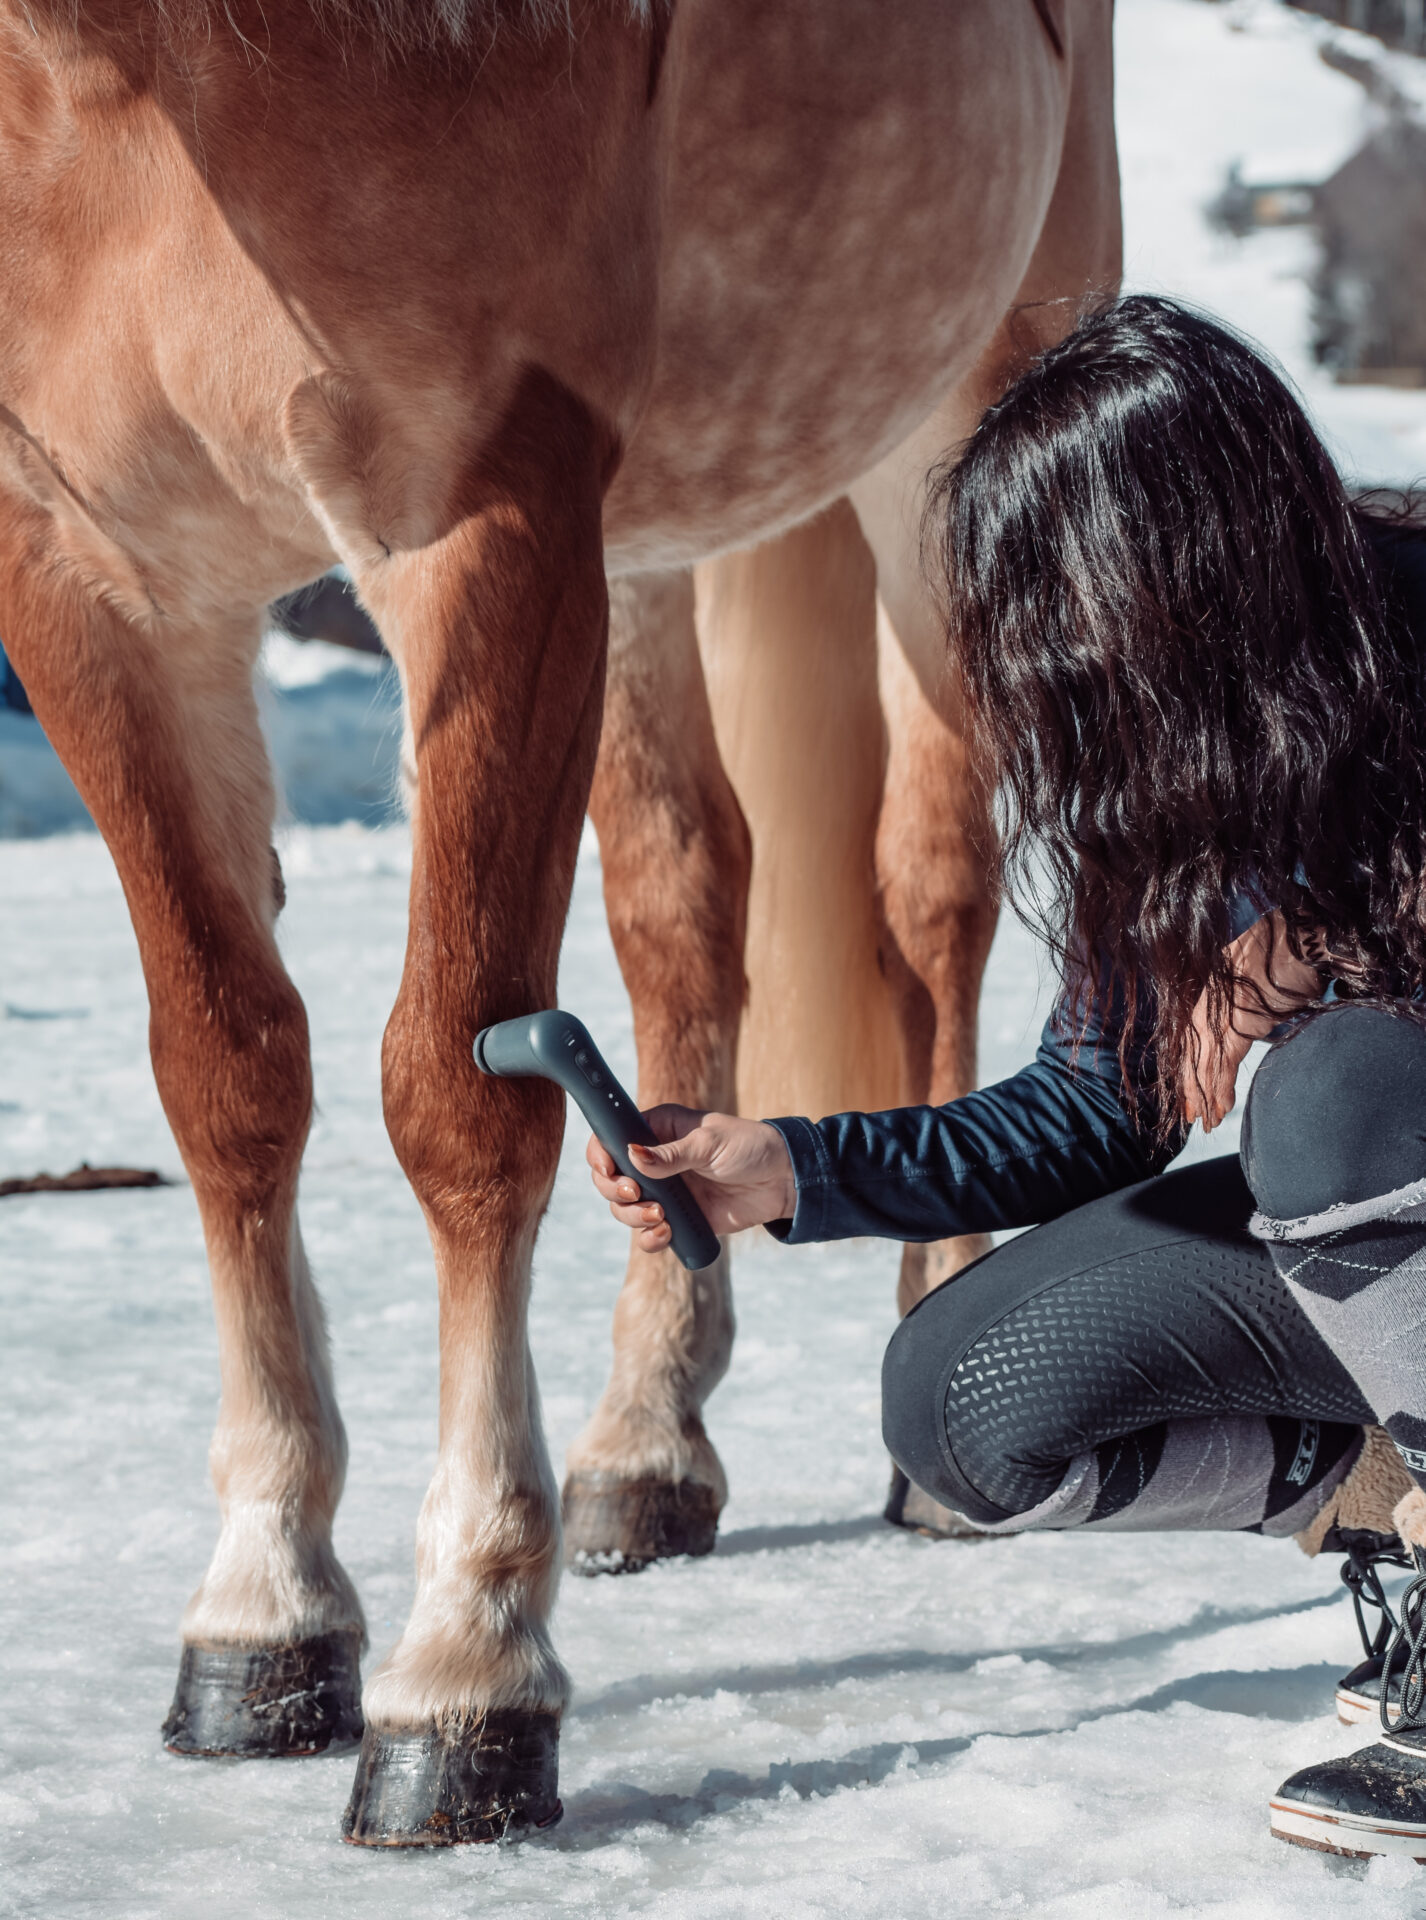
x=827 y=1717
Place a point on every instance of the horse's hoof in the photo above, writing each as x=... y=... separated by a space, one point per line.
x=490 y=1781
x=266 y=1702
x=907 y=1506
x=619 y=1526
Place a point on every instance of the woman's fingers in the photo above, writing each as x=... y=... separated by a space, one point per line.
x=1269 y=981
x=608 y=1180
x=638 y=1214
x=740 y=1172
x=600 y=1161
x=620 y=1188
x=1210 y=1079
x=626 y=1202
x=1209 y=1087
x=1220 y=1104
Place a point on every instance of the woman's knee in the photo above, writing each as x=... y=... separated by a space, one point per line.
x=1337 y=1113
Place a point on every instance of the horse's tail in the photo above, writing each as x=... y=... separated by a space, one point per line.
x=788 y=633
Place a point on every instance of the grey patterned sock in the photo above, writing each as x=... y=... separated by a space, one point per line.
x=1358 y=1271
x=1244 y=1472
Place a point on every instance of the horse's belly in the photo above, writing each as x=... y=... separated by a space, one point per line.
x=856 y=192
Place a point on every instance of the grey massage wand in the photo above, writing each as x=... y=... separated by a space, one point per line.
x=555 y=1046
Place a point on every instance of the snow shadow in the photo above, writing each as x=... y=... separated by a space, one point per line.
x=1285 y=1695
x=814 y=1534
x=643 y=1690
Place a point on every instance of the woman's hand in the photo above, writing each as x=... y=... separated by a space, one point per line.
x=739 y=1172
x=1271 y=982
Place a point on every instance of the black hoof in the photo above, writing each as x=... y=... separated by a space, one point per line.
x=488 y=1782
x=619 y=1526
x=908 y=1506
x=262 y=1702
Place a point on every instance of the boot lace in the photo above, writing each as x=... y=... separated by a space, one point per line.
x=1407 y=1650
x=1365 y=1553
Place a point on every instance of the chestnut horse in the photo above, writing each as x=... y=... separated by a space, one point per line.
x=494 y=301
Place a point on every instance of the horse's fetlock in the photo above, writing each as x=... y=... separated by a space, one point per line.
x=517 y=1548
x=462 y=1656
x=274 y=1577
x=294 y=1470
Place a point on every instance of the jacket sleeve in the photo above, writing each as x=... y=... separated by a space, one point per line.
x=1058 y=1133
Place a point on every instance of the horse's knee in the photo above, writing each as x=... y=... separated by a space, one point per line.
x=479 y=1153
x=1337 y=1113
x=233 y=1068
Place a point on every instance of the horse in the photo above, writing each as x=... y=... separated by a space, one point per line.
x=519 y=310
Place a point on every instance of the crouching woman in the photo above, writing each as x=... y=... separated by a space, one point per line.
x=1197 y=673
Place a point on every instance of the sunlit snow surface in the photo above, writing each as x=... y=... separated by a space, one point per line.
x=827 y=1717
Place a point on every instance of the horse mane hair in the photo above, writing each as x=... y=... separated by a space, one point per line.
x=386 y=26
x=407 y=25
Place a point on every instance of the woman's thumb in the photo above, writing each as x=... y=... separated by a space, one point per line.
x=658 y=1160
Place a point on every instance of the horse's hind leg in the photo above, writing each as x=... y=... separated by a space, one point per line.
x=934 y=848
x=157 y=726
x=933 y=821
x=643 y=1479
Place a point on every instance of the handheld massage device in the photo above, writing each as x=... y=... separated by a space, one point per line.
x=555 y=1046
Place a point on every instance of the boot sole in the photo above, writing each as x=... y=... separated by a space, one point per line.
x=1355 y=1709
x=1356 y=1839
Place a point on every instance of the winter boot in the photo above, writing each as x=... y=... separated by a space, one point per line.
x=1356 y=1520
x=1374 y=1801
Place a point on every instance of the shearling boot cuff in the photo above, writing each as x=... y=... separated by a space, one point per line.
x=1409 y=1518
x=1373 y=1496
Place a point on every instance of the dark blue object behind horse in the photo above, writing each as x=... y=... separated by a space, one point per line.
x=12 y=694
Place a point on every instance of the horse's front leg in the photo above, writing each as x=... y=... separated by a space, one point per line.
x=499 y=629
x=154 y=717
x=644 y=1481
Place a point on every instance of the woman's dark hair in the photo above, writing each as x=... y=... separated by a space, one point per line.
x=1184 y=670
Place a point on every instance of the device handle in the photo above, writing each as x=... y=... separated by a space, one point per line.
x=553 y=1045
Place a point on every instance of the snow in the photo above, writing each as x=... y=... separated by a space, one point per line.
x=825 y=1718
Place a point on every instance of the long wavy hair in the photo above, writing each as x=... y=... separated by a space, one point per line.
x=1185 y=672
